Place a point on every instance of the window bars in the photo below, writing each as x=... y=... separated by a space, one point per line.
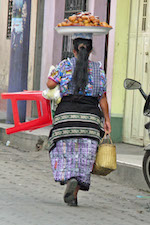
x=9 y=18
x=71 y=7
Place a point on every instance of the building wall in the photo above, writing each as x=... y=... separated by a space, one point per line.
x=119 y=70
x=33 y=20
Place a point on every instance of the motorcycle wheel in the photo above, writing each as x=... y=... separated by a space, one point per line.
x=146 y=167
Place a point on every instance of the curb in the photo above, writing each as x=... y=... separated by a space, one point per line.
x=25 y=141
x=129 y=175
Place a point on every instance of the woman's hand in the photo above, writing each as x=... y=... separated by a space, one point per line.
x=51 y=84
x=107 y=127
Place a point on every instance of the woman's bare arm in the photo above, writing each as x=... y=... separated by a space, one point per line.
x=104 y=106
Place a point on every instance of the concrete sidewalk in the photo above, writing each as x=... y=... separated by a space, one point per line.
x=129 y=157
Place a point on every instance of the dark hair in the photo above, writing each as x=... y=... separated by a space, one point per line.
x=83 y=48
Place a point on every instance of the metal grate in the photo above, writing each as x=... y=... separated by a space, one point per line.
x=10 y=12
x=74 y=6
x=71 y=7
x=144 y=16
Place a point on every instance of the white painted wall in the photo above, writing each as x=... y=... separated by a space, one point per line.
x=52 y=42
x=32 y=43
x=98 y=8
x=110 y=55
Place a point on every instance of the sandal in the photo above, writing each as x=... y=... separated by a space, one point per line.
x=74 y=202
x=70 y=189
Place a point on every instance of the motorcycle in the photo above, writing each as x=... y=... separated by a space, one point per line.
x=131 y=84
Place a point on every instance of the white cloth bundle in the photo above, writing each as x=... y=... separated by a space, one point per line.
x=52 y=94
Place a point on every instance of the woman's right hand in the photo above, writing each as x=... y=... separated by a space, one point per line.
x=104 y=106
x=107 y=127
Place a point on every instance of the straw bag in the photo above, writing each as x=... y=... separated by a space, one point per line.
x=105 y=158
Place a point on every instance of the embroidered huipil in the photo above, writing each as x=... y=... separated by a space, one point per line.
x=75 y=134
x=63 y=72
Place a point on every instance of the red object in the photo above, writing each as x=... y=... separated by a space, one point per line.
x=43 y=109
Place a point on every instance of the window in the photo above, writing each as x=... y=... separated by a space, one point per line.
x=144 y=16
x=71 y=7
x=10 y=11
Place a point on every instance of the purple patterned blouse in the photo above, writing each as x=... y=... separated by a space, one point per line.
x=63 y=72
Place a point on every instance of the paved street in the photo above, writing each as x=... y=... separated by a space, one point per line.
x=29 y=196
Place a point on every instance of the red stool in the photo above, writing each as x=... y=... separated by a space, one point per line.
x=43 y=109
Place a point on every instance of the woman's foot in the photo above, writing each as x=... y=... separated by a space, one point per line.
x=70 y=195
x=74 y=202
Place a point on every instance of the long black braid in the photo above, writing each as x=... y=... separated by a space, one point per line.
x=83 y=48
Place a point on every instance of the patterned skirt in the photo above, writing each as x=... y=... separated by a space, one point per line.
x=74 y=138
x=74 y=158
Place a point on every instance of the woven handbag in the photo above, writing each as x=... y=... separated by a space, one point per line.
x=105 y=157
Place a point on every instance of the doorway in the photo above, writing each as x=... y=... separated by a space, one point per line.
x=137 y=68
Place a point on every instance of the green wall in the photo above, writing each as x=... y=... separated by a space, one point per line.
x=119 y=70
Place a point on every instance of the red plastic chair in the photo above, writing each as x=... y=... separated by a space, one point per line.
x=43 y=109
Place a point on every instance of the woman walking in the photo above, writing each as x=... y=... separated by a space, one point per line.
x=76 y=127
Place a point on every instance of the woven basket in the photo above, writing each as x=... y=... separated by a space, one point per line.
x=105 y=158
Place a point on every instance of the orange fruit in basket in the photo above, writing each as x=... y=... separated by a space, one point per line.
x=72 y=18
x=83 y=19
x=92 y=18
x=91 y=24
x=69 y=23
x=80 y=19
x=104 y=24
x=87 y=24
x=64 y=24
x=81 y=24
x=59 y=25
x=75 y=22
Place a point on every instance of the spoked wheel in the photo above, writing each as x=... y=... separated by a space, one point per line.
x=146 y=167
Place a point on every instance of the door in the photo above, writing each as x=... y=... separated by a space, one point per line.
x=138 y=69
